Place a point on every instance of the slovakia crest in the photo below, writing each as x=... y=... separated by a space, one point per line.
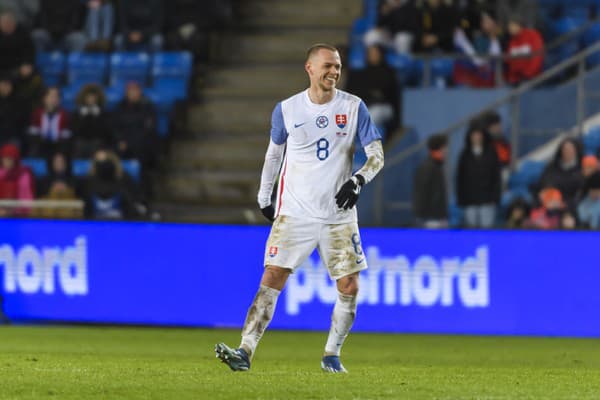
x=322 y=121
x=272 y=251
x=341 y=120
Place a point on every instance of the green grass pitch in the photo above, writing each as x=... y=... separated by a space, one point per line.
x=46 y=362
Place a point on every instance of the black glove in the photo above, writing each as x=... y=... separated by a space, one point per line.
x=348 y=194
x=268 y=212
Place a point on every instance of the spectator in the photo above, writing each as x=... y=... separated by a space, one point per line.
x=16 y=180
x=26 y=11
x=588 y=209
x=99 y=23
x=378 y=86
x=397 y=26
x=589 y=165
x=49 y=130
x=478 y=178
x=141 y=23
x=568 y=220
x=60 y=26
x=492 y=122
x=58 y=185
x=549 y=214
x=29 y=86
x=523 y=42
x=106 y=191
x=437 y=22
x=59 y=172
x=518 y=211
x=188 y=23
x=16 y=46
x=430 y=199
x=13 y=114
x=134 y=126
x=474 y=71
x=91 y=128
x=564 y=172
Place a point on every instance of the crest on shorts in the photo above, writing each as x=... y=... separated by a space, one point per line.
x=272 y=251
x=341 y=120
x=322 y=121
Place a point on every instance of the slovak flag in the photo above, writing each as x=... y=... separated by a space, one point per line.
x=341 y=120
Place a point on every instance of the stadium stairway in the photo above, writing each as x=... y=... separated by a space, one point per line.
x=213 y=175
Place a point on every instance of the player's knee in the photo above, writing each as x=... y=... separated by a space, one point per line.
x=348 y=285
x=275 y=277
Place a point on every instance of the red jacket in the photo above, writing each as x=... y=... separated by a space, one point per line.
x=525 y=42
x=50 y=127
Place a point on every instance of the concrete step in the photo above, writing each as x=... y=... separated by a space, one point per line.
x=281 y=46
x=210 y=187
x=306 y=13
x=269 y=81
x=223 y=154
x=232 y=115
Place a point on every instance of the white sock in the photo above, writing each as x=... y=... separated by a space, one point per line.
x=258 y=318
x=342 y=318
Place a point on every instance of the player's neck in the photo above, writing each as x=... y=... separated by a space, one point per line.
x=320 y=96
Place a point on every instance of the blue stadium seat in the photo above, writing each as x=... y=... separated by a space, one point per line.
x=129 y=66
x=171 y=89
x=69 y=94
x=87 y=67
x=371 y=10
x=133 y=168
x=52 y=67
x=162 y=102
x=441 y=71
x=81 y=167
x=528 y=173
x=114 y=94
x=409 y=70
x=359 y=28
x=591 y=141
x=357 y=57
x=172 y=65
x=37 y=165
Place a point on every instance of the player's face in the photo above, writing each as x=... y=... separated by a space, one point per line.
x=324 y=69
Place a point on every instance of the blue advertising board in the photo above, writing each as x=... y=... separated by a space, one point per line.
x=472 y=282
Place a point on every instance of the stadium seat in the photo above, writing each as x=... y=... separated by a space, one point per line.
x=591 y=141
x=69 y=94
x=359 y=28
x=81 y=167
x=87 y=68
x=114 y=94
x=163 y=124
x=133 y=168
x=129 y=66
x=441 y=71
x=37 y=165
x=172 y=65
x=357 y=57
x=52 y=67
x=371 y=10
x=591 y=36
x=171 y=89
x=528 y=173
x=409 y=71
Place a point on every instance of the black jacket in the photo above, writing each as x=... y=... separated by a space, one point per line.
x=569 y=181
x=401 y=19
x=135 y=124
x=16 y=49
x=478 y=180
x=430 y=199
x=376 y=84
x=441 y=22
x=145 y=16
x=60 y=17
x=14 y=116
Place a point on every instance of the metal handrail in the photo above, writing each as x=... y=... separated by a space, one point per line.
x=550 y=73
x=59 y=204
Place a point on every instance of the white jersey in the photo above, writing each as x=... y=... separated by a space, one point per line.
x=319 y=142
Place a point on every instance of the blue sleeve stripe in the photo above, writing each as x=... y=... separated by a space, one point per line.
x=367 y=131
x=278 y=133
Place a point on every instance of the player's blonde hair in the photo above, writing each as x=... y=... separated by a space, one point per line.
x=312 y=50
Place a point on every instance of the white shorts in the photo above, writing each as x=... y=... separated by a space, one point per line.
x=292 y=241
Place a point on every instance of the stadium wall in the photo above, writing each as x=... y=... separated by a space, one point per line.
x=465 y=282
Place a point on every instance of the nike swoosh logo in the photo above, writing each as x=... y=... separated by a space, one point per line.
x=359 y=261
x=299 y=125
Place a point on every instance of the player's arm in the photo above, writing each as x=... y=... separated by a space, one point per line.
x=370 y=138
x=273 y=159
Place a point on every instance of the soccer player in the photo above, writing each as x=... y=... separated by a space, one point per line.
x=313 y=132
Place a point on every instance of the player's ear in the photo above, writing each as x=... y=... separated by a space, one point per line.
x=308 y=68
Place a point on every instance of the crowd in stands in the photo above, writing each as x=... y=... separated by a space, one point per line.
x=566 y=195
x=476 y=33
x=87 y=147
